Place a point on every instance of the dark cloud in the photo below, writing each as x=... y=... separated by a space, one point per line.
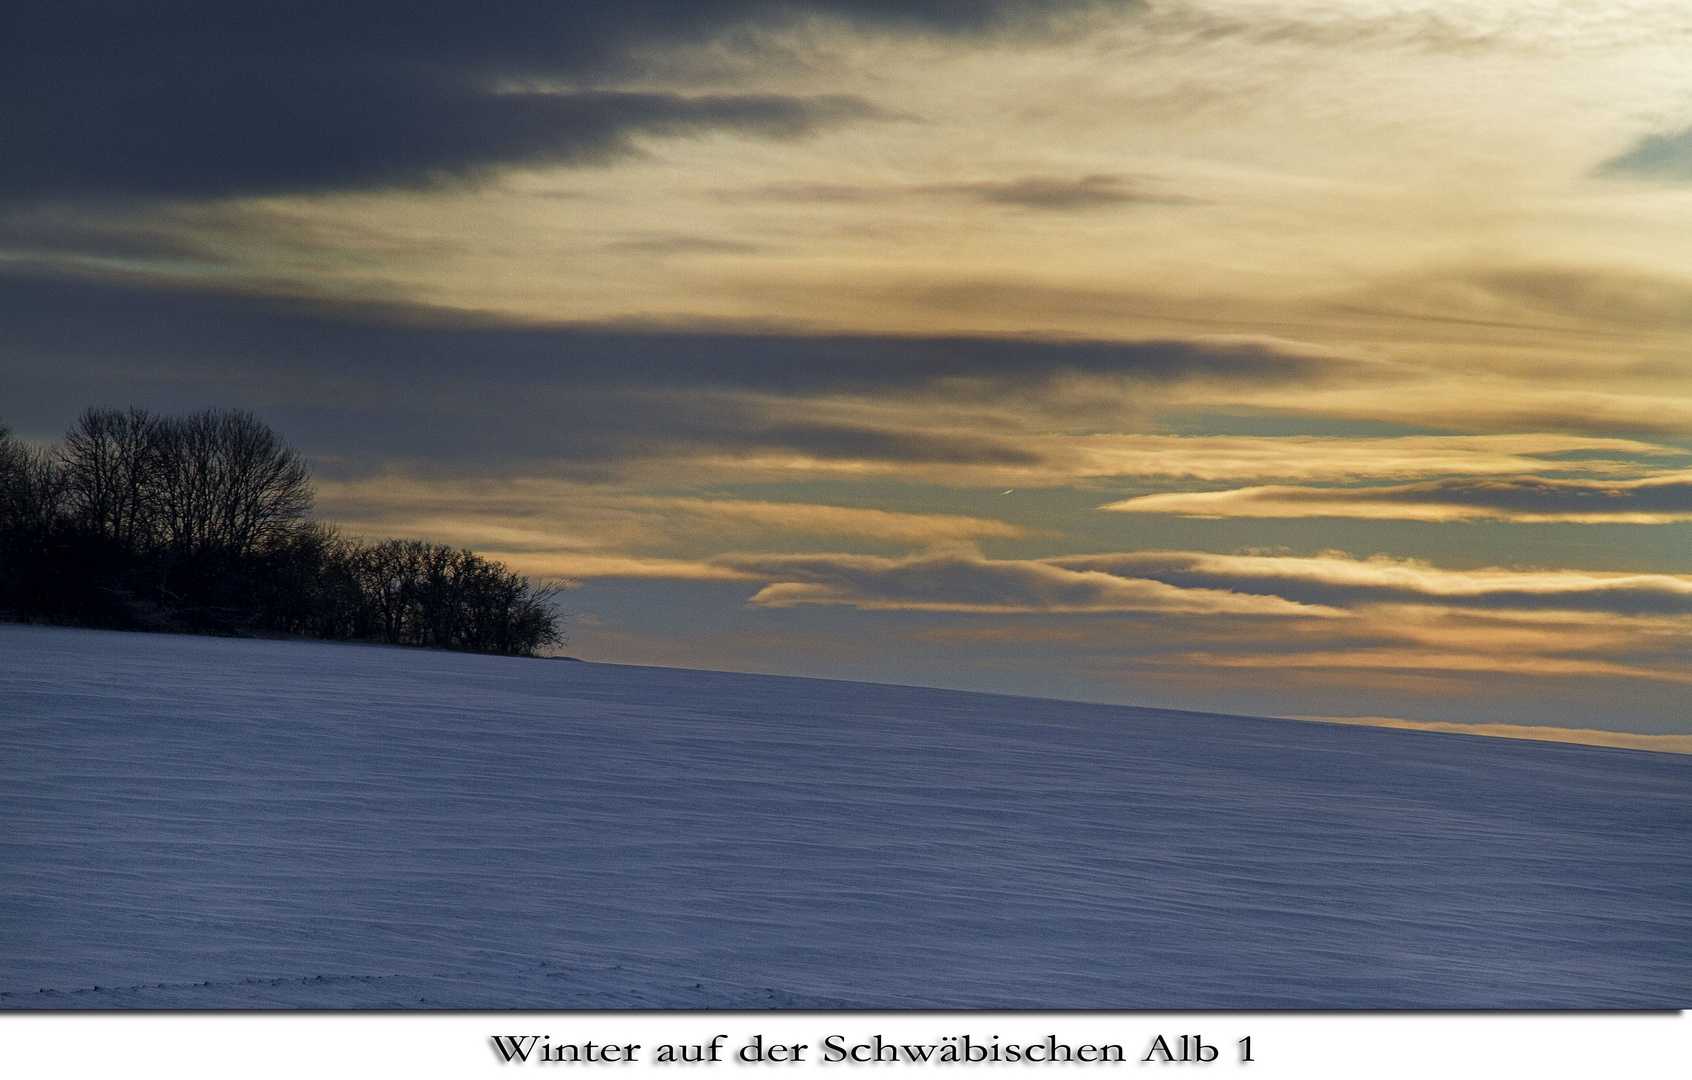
x=1507 y=498
x=1520 y=495
x=864 y=442
x=198 y=98
x=131 y=325
x=1030 y=192
x=310 y=139
x=420 y=384
x=1667 y=156
x=684 y=245
x=1051 y=193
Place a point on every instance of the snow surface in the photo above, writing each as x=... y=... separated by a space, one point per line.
x=213 y=823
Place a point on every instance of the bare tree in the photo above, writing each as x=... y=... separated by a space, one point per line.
x=386 y=574
x=32 y=530
x=228 y=485
x=201 y=523
x=415 y=593
x=32 y=488
x=112 y=461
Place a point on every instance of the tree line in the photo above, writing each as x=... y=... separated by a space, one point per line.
x=202 y=524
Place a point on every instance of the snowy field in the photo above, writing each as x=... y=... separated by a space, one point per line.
x=197 y=823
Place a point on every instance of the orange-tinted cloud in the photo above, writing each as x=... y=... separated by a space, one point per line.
x=1341 y=581
x=1657 y=500
x=968 y=582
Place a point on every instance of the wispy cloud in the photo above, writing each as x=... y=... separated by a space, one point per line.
x=682 y=244
x=1657 y=500
x=1094 y=191
x=1195 y=582
x=389 y=384
x=1219 y=457
x=178 y=101
x=369 y=341
x=1423 y=661
x=576 y=566
x=816 y=520
x=1343 y=582
x=533 y=514
x=1051 y=192
x=1312 y=622
x=962 y=582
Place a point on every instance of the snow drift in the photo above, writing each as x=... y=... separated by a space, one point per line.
x=217 y=823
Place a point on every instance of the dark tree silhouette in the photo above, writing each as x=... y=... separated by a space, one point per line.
x=226 y=485
x=111 y=467
x=33 y=536
x=425 y=594
x=202 y=523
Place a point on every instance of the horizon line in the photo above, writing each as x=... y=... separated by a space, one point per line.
x=1625 y=740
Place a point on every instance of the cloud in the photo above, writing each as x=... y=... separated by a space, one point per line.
x=1196 y=619
x=1091 y=192
x=193 y=100
x=1529 y=297
x=576 y=566
x=1440 y=27
x=1307 y=457
x=1607 y=297
x=810 y=191
x=402 y=381
x=117 y=318
x=1342 y=582
x=1667 y=157
x=1050 y=193
x=969 y=583
x=542 y=514
x=365 y=384
x=1045 y=456
x=681 y=244
x=1423 y=661
x=359 y=136
x=1655 y=500
x=819 y=520
x=1189 y=583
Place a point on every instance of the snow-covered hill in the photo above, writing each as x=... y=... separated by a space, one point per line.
x=210 y=823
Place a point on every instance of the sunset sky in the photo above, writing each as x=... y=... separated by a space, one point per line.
x=1288 y=357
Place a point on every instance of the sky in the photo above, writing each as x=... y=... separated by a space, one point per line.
x=1279 y=357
